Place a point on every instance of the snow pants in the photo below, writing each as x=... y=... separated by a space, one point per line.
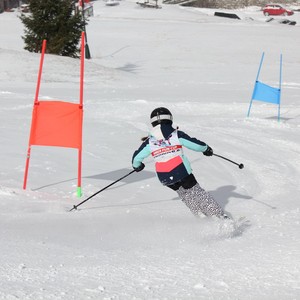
x=200 y=201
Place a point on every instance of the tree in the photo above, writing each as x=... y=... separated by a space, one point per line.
x=56 y=22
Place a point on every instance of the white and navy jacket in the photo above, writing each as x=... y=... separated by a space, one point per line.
x=165 y=144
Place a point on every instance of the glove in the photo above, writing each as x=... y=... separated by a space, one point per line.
x=140 y=168
x=208 y=152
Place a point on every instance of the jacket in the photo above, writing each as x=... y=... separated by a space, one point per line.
x=165 y=144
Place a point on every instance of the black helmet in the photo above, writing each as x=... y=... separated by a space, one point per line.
x=161 y=115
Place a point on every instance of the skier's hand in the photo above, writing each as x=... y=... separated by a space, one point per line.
x=140 y=168
x=208 y=152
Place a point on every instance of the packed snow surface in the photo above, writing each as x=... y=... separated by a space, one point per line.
x=137 y=240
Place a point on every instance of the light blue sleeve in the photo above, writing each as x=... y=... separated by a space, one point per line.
x=139 y=155
x=193 y=146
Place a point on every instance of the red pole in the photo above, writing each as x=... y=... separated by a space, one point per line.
x=36 y=101
x=79 y=192
x=26 y=168
x=40 y=72
x=81 y=68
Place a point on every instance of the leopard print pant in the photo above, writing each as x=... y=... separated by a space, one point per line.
x=200 y=201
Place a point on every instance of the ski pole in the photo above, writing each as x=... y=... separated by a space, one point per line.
x=75 y=206
x=241 y=166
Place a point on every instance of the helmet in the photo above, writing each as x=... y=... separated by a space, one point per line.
x=161 y=115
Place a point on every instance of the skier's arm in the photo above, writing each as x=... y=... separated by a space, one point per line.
x=140 y=154
x=192 y=143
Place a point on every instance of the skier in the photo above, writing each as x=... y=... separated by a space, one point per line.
x=173 y=169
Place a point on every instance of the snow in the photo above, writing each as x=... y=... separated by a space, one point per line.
x=137 y=240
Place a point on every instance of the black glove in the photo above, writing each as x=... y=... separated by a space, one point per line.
x=140 y=168
x=208 y=152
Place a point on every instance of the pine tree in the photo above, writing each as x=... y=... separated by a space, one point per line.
x=56 y=22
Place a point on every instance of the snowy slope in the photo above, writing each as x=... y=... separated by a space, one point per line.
x=136 y=240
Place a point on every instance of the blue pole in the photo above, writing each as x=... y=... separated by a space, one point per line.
x=261 y=61
x=256 y=80
x=280 y=79
x=250 y=105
